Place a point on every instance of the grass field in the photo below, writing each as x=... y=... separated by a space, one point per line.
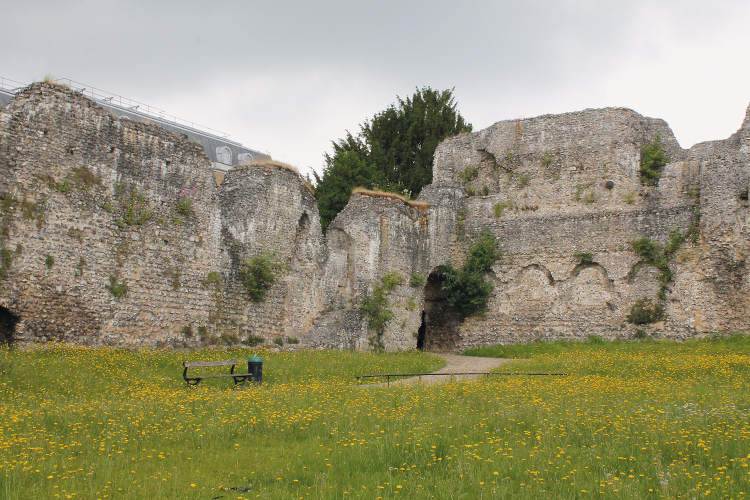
x=632 y=420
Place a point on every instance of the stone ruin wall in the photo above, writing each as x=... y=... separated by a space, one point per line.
x=554 y=170
x=549 y=174
x=66 y=164
x=268 y=209
x=51 y=137
x=371 y=237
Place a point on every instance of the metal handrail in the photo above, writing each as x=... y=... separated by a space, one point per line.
x=134 y=106
x=124 y=103
x=10 y=86
x=420 y=375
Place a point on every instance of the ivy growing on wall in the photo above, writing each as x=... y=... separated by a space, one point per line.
x=466 y=288
x=259 y=273
x=376 y=307
x=653 y=159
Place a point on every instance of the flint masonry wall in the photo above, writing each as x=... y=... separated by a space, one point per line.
x=373 y=236
x=268 y=209
x=92 y=202
x=542 y=188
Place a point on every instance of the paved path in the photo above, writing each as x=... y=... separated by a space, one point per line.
x=454 y=364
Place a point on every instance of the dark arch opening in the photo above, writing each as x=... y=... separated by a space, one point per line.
x=8 y=322
x=421 y=333
x=439 y=329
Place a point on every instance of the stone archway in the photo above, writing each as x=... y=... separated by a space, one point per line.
x=8 y=322
x=439 y=329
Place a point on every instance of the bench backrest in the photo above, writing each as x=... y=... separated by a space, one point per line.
x=191 y=364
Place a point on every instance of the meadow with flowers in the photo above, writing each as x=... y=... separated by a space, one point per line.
x=631 y=420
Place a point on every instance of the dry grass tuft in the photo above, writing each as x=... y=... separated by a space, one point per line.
x=422 y=205
x=51 y=80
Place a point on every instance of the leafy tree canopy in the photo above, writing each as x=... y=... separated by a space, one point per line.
x=393 y=151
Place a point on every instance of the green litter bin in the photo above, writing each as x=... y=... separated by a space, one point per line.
x=255 y=368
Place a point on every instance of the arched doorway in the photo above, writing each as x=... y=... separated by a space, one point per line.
x=8 y=322
x=439 y=329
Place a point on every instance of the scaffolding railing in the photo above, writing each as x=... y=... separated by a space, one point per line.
x=125 y=104
x=10 y=86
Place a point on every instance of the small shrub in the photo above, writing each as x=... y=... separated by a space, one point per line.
x=647 y=249
x=213 y=279
x=500 y=206
x=118 y=290
x=6 y=202
x=6 y=258
x=546 y=159
x=188 y=331
x=629 y=197
x=584 y=257
x=468 y=174
x=135 y=208
x=417 y=280
x=392 y=279
x=49 y=261
x=30 y=210
x=253 y=340
x=675 y=240
x=485 y=190
x=644 y=312
x=376 y=307
x=470 y=191
x=466 y=289
x=108 y=206
x=412 y=304
x=640 y=334
x=80 y=266
x=62 y=187
x=229 y=339
x=84 y=178
x=524 y=179
x=590 y=198
x=653 y=159
x=279 y=341
x=184 y=205
x=292 y=340
x=259 y=273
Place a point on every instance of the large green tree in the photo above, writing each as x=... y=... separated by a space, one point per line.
x=393 y=151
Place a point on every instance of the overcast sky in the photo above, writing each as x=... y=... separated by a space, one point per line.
x=288 y=77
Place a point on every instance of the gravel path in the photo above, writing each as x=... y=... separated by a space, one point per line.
x=454 y=364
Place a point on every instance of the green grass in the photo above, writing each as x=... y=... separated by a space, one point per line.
x=632 y=420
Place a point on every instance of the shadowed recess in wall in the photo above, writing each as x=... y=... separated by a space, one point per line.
x=440 y=322
x=8 y=322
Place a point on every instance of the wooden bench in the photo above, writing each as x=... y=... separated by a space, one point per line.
x=196 y=379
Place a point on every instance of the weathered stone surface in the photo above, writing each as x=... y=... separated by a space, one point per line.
x=90 y=198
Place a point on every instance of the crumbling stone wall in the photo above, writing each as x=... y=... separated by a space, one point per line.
x=373 y=236
x=90 y=203
x=268 y=209
x=554 y=186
